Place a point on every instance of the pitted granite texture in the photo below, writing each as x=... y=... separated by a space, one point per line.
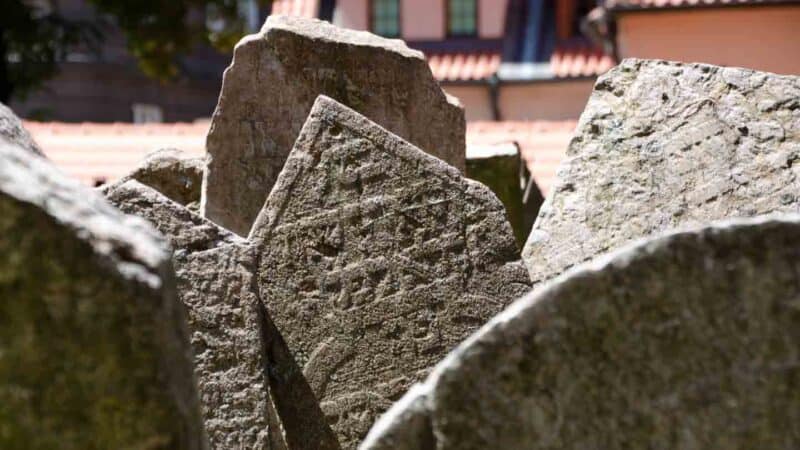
x=94 y=346
x=269 y=89
x=664 y=145
x=252 y=395
x=687 y=340
x=376 y=260
x=11 y=129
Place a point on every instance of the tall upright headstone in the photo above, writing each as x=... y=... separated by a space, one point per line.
x=253 y=395
x=268 y=91
x=683 y=341
x=376 y=260
x=94 y=347
x=662 y=145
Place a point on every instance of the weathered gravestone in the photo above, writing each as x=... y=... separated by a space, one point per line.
x=665 y=144
x=171 y=172
x=376 y=259
x=683 y=341
x=274 y=79
x=252 y=393
x=11 y=129
x=94 y=348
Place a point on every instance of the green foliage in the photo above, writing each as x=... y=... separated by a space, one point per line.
x=158 y=31
x=32 y=43
x=36 y=40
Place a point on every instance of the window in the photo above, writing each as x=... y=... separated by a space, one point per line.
x=462 y=17
x=250 y=15
x=385 y=18
x=147 y=113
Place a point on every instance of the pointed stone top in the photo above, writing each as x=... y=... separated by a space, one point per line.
x=328 y=114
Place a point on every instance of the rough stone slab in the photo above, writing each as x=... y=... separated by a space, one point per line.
x=683 y=341
x=252 y=395
x=271 y=85
x=171 y=172
x=663 y=145
x=377 y=259
x=11 y=129
x=94 y=346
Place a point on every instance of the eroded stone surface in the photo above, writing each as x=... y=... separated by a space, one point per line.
x=94 y=346
x=377 y=259
x=12 y=130
x=662 y=145
x=684 y=341
x=271 y=85
x=252 y=395
x=171 y=172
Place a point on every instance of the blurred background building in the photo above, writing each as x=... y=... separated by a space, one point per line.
x=522 y=68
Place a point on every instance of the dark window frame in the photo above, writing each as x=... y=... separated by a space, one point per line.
x=447 y=24
x=371 y=19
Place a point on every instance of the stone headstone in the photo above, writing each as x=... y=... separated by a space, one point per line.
x=94 y=347
x=171 y=172
x=253 y=395
x=11 y=129
x=269 y=89
x=501 y=173
x=683 y=341
x=662 y=145
x=376 y=260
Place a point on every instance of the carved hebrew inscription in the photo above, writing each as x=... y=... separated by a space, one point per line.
x=376 y=262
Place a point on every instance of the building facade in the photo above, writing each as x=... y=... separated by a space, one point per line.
x=106 y=85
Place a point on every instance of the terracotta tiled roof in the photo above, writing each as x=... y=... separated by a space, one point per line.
x=303 y=8
x=95 y=152
x=660 y=4
x=464 y=66
x=542 y=143
x=579 y=60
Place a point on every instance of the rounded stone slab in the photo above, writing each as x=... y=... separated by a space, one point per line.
x=269 y=89
x=683 y=341
x=94 y=347
x=253 y=395
x=376 y=260
x=664 y=145
x=171 y=172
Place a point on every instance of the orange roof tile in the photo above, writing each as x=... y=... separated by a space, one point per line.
x=659 y=4
x=542 y=144
x=302 y=8
x=579 y=60
x=461 y=66
x=95 y=152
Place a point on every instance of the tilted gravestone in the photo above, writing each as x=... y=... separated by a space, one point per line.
x=271 y=85
x=94 y=347
x=683 y=341
x=253 y=395
x=376 y=259
x=171 y=172
x=11 y=129
x=662 y=145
